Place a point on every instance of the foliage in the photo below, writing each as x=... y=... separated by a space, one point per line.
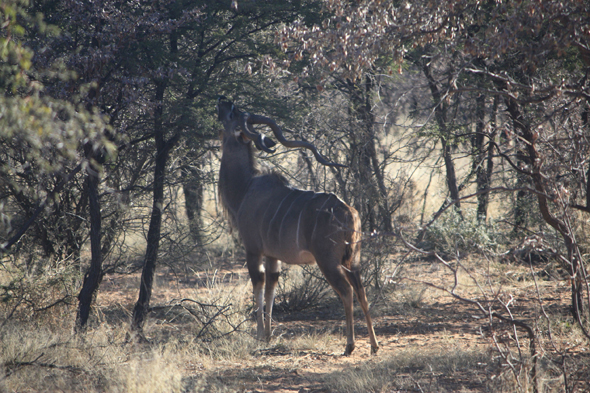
x=142 y=68
x=36 y=292
x=376 y=258
x=460 y=234
x=41 y=139
x=352 y=36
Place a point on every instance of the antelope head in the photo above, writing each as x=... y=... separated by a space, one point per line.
x=239 y=125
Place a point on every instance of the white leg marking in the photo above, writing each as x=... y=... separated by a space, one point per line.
x=260 y=306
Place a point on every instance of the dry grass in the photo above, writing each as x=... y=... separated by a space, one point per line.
x=415 y=369
x=37 y=360
x=201 y=339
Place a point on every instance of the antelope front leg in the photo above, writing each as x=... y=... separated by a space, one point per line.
x=256 y=271
x=273 y=268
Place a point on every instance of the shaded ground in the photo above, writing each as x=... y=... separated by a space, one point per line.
x=432 y=325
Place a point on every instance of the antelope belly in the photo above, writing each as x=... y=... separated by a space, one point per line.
x=301 y=258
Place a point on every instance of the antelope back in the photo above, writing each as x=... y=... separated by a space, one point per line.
x=296 y=226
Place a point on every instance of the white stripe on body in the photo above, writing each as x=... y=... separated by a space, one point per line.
x=318 y=215
x=298 y=224
x=273 y=217
x=287 y=212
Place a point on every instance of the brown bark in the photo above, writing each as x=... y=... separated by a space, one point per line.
x=492 y=137
x=153 y=238
x=524 y=130
x=440 y=115
x=375 y=207
x=93 y=276
x=479 y=159
x=193 y=200
x=163 y=147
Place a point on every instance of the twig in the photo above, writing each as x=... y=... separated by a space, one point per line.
x=15 y=365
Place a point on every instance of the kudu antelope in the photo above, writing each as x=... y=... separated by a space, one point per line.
x=286 y=224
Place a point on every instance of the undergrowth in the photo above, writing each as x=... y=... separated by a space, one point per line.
x=202 y=338
x=462 y=233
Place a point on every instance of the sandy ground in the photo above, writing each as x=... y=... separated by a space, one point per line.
x=438 y=324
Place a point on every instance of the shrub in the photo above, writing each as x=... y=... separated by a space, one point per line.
x=454 y=233
x=301 y=288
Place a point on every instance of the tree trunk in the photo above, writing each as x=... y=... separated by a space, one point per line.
x=374 y=207
x=153 y=238
x=492 y=137
x=193 y=200
x=530 y=155
x=450 y=172
x=93 y=276
x=586 y=123
x=479 y=159
x=440 y=114
x=524 y=202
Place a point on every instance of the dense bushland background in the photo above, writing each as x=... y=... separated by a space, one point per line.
x=464 y=127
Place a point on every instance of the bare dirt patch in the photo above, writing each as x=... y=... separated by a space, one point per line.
x=200 y=335
x=433 y=343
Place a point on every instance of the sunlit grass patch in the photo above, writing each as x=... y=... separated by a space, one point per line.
x=37 y=359
x=158 y=370
x=408 y=370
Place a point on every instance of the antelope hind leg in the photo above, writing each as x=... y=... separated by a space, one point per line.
x=348 y=311
x=338 y=281
x=355 y=279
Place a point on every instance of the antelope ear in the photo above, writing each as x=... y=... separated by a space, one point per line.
x=219 y=99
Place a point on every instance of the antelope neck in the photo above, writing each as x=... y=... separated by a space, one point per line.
x=235 y=173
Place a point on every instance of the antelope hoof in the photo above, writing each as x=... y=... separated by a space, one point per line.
x=374 y=350
x=349 y=349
